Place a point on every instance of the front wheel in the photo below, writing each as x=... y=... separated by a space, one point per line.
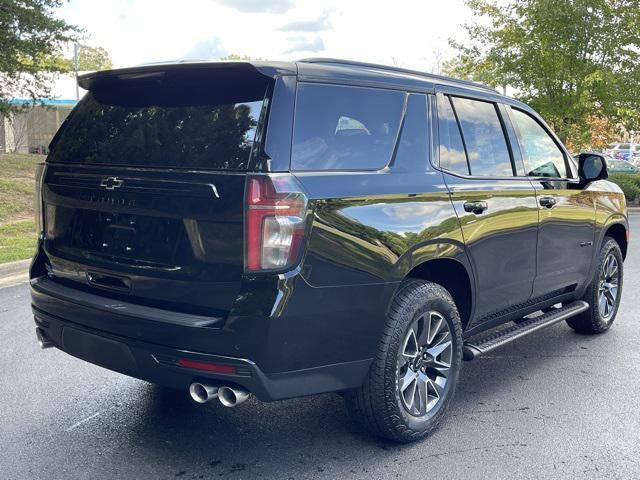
x=413 y=377
x=604 y=292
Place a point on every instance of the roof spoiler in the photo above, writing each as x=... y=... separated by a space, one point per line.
x=96 y=80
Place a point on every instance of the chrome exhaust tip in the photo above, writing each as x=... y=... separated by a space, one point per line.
x=232 y=397
x=203 y=393
x=43 y=341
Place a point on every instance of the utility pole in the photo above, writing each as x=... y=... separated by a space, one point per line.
x=75 y=68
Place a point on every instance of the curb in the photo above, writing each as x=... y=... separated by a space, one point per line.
x=13 y=273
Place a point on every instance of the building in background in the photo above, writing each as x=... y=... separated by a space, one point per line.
x=31 y=128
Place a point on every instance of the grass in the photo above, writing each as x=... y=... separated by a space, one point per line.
x=17 y=240
x=17 y=205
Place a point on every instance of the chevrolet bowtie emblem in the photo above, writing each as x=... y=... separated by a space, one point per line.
x=111 y=183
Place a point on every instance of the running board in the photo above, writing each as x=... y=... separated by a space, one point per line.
x=481 y=344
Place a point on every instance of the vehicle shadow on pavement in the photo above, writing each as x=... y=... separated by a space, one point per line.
x=310 y=436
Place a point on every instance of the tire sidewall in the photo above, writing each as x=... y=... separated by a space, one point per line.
x=610 y=246
x=443 y=304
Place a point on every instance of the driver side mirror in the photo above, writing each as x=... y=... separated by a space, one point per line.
x=592 y=167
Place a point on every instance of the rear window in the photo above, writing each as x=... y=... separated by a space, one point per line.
x=345 y=128
x=183 y=120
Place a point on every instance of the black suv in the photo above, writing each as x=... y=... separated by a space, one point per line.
x=287 y=229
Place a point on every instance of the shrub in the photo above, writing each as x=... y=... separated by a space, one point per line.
x=629 y=183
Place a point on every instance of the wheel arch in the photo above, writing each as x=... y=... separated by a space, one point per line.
x=455 y=277
x=619 y=232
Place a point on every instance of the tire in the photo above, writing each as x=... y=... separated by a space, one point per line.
x=598 y=319
x=388 y=405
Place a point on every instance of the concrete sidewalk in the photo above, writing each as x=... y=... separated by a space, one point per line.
x=14 y=272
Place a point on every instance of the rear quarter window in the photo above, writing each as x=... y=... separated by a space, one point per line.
x=344 y=128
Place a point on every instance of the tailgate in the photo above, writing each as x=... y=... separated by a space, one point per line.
x=168 y=240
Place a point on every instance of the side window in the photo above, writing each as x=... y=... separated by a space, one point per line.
x=344 y=128
x=484 y=138
x=542 y=156
x=452 y=154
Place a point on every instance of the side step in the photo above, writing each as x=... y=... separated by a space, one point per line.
x=483 y=343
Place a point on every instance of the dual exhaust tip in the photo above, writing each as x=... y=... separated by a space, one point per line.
x=43 y=340
x=228 y=396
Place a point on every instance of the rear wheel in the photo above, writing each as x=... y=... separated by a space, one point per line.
x=415 y=372
x=604 y=292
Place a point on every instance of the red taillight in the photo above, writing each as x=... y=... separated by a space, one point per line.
x=40 y=169
x=275 y=222
x=206 y=366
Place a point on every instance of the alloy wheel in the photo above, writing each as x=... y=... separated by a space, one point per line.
x=424 y=363
x=609 y=282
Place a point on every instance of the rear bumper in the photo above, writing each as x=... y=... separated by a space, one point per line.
x=331 y=354
x=156 y=364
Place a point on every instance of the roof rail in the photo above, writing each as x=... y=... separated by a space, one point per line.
x=433 y=76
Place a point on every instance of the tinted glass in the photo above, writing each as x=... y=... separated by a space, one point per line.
x=344 y=128
x=177 y=125
x=452 y=154
x=542 y=157
x=484 y=138
x=413 y=147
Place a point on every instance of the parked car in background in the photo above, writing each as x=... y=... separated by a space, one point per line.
x=625 y=151
x=620 y=166
x=288 y=229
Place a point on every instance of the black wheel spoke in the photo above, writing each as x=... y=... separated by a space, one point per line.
x=410 y=349
x=422 y=396
x=422 y=326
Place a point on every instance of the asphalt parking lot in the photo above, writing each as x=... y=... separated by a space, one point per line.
x=553 y=405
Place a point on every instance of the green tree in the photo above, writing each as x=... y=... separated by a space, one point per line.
x=93 y=58
x=569 y=59
x=236 y=57
x=31 y=42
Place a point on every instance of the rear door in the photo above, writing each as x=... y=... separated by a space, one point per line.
x=144 y=187
x=497 y=210
x=567 y=212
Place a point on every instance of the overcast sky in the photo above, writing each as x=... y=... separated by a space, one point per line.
x=406 y=33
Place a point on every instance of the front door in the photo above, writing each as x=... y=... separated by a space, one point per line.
x=567 y=213
x=497 y=210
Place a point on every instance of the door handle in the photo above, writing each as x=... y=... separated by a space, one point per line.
x=475 y=207
x=548 y=202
